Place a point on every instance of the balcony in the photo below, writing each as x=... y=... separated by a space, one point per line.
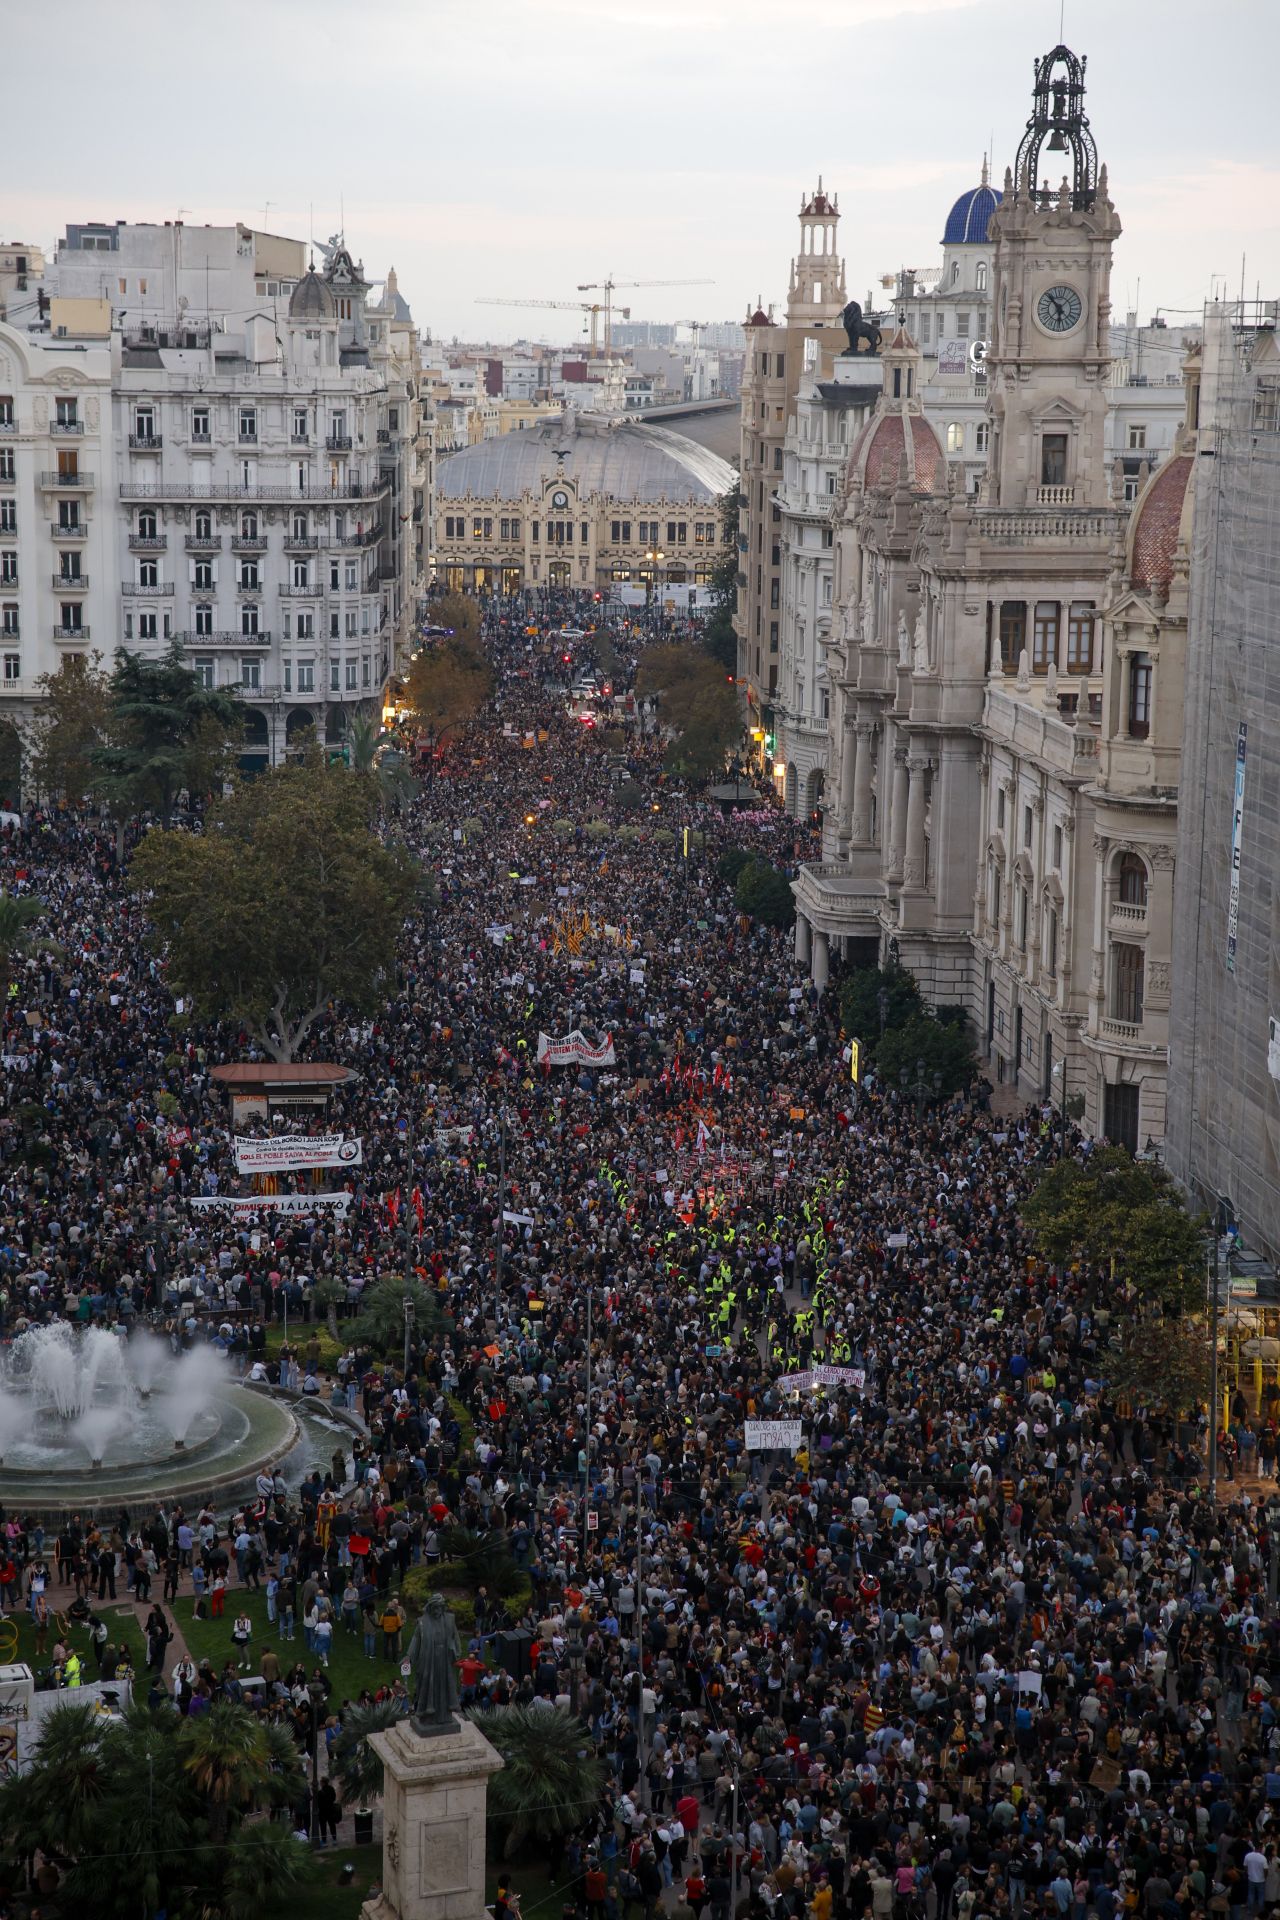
x=1125 y=1032
x=203 y=543
x=310 y=591
x=201 y=437
x=148 y=542
x=156 y=589
x=248 y=543
x=8 y=425
x=384 y=436
x=353 y=489
x=369 y=538
x=68 y=482
x=223 y=637
x=10 y=633
x=300 y=439
x=247 y=439
x=1020 y=525
x=337 y=442
x=301 y=542
x=60 y=532
x=9 y=583
x=1130 y=918
x=1055 y=496
x=62 y=583
x=66 y=426
x=145 y=442
x=71 y=633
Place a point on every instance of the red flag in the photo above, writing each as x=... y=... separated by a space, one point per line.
x=393 y=1206
x=418 y=1206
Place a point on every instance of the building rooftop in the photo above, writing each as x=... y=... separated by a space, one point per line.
x=623 y=460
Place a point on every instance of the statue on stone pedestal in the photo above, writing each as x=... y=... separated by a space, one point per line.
x=920 y=662
x=433 y=1660
x=904 y=642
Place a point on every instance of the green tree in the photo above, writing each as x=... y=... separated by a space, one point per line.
x=1111 y=1208
x=380 y=1320
x=447 y=684
x=860 y=1002
x=19 y=913
x=551 y=1779
x=1159 y=1362
x=731 y=863
x=290 y=902
x=167 y=734
x=697 y=703
x=352 y=1760
x=376 y=757
x=764 y=892
x=458 y=614
x=174 y=1805
x=718 y=636
x=942 y=1047
x=73 y=719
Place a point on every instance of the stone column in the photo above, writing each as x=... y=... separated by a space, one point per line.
x=433 y=1823
x=802 y=940
x=860 y=828
x=819 y=966
x=848 y=747
x=913 y=866
x=898 y=815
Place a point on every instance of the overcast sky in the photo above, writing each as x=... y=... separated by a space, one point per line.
x=518 y=147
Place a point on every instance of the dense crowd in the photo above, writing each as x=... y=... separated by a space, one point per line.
x=980 y=1646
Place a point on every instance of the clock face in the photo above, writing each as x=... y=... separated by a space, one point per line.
x=1059 y=309
x=559 y=499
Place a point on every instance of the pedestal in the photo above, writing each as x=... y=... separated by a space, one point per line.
x=433 y=1824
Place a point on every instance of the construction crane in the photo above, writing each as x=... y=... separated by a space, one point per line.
x=608 y=286
x=594 y=308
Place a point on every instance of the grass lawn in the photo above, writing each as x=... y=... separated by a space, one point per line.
x=328 y=1899
x=349 y=1671
x=300 y=1332
x=121 y=1626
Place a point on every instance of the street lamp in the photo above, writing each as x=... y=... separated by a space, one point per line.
x=408 y=1330
x=882 y=1001
x=654 y=557
x=575 y=1654
x=316 y=1701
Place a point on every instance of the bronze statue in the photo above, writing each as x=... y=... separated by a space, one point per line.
x=433 y=1657
x=858 y=329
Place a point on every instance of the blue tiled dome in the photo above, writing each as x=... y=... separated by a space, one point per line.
x=967 y=220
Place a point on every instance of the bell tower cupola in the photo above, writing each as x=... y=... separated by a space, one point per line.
x=816 y=294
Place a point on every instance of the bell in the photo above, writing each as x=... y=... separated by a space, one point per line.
x=1057 y=144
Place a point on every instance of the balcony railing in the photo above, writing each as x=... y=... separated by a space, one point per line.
x=247 y=439
x=145 y=442
x=62 y=583
x=368 y=538
x=8 y=426
x=1126 y=1031
x=1131 y=916
x=384 y=436
x=248 y=543
x=300 y=439
x=148 y=542
x=66 y=426
x=309 y=592
x=223 y=637
x=354 y=489
x=8 y=583
x=338 y=442
x=1018 y=525
x=203 y=543
x=1055 y=496
x=68 y=482
x=71 y=633
x=10 y=633
x=155 y=588
x=301 y=542
x=201 y=438
x=60 y=532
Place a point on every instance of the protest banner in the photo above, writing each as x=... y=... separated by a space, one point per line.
x=575 y=1048
x=294 y=1203
x=292 y=1152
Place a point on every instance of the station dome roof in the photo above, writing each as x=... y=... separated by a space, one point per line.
x=624 y=460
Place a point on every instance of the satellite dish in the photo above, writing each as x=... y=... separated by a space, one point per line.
x=978 y=353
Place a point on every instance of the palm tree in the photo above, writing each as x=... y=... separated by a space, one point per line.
x=394 y=783
x=550 y=1780
x=364 y=737
x=238 y=1765
x=353 y=1762
x=18 y=914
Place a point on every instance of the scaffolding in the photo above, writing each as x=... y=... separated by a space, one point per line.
x=1224 y=1066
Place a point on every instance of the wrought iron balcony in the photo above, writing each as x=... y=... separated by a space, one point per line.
x=301 y=542
x=66 y=426
x=338 y=442
x=145 y=442
x=62 y=583
x=60 y=532
x=68 y=482
x=148 y=542
x=203 y=543
x=312 y=591
x=300 y=439
x=248 y=543
x=200 y=438
x=71 y=633
x=247 y=439
x=156 y=588
x=160 y=489
x=223 y=637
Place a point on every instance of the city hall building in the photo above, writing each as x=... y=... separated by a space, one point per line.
x=580 y=501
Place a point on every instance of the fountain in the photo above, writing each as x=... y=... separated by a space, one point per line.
x=87 y=1414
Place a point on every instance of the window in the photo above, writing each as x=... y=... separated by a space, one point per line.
x=1137 y=438
x=351 y=676
x=147 y=574
x=249 y=620
x=202 y=668
x=955 y=271
x=6 y=409
x=204 y=526
x=980 y=277
x=248 y=526
x=1013 y=633
x=1128 y=969
x=393 y=419
x=9 y=568
x=353 y=575
x=1000 y=804
x=68 y=510
x=144 y=423
x=982 y=436
x=773 y=636
x=1131 y=881
x=1053 y=460
x=12 y=667
x=204 y=617
x=6 y=463
x=477 y=528
x=955 y=436
x=334 y=671
x=1139 y=696
x=777 y=459
x=249 y=581
x=288 y=676
x=926 y=328
x=146 y=625
x=8 y=516
x=1020 y=919
x=248 y=423
x=1080 y=638
x=364 y=673
x=1057 y=848
x=1028 y=823
x=301 y=573
x=962 y=326
x=334 y=626
x=9 y=617
x=66 y=414
x=995 y=896
x=350 y=623
x=199 y=423
x=306 y=676
x=306 y=626
x=250 y=675
x=1044 y=636
x=147 y=524
x=203 y=572
x=1050 y=940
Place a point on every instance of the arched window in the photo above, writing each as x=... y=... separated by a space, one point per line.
x=955 y=271
x=1132 y=880
x=955 y=436
x=204 y=526
x=980 y=278
x=147 y=524
x=248 y=526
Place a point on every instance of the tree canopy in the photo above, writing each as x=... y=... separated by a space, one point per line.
x=764 y=892
x=697 y=702
x=73 y=720
x=860 y=1003
x=448 y=682
x=169 y=1803
x=290 y=901
x=19 y=914
x=922 y=1042
x=457 y=614
x=551 y=1778
x=166 y=734
x=1109 y=1206
x=718 y=636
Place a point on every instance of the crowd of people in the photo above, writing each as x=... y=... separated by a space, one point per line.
x=978 y=1646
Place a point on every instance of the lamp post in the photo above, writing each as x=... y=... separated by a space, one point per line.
x=316 y=1703
x=882 y=1001
x=654 y=557
x=574 y=1653
x=1224 y=1217
x=500 y=1247
x=408 y=1331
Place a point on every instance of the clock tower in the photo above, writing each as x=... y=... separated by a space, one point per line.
x=1050 y=354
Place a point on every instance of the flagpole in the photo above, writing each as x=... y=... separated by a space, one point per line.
x=500 y=1248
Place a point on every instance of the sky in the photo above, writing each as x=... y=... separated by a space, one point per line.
x=521 y=147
